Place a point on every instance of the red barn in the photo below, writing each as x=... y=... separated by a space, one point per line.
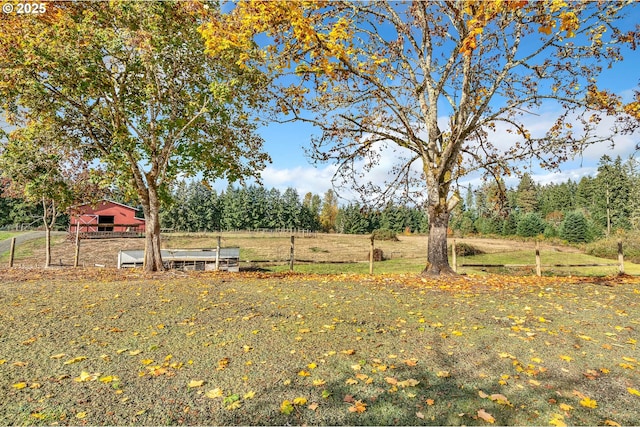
x=105 y=219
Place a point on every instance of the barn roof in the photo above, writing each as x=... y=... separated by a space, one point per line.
x=104 y=201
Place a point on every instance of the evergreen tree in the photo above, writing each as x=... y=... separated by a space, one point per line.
x=611 y=195
x=292 y=208
x=575 y=228
x=530 y=225
x=350 y=220
x=526 y=195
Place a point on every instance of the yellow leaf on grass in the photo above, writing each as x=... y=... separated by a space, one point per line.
x=443 y=374
x=86 y=376
x=566 y=358
x=557 y=420
x=195 y=383
x=358 y=407
x=286 y=407
x=312 y=366
x=319 y=382
x=74 y=360
x=486 y=416
x=633 y=391
x=58 y=356
x=81 y=415
x=565 y=407
x=19 y=386
x=304 y=373
x=233 y=405
x=300 y=401
x=108 y=379
x=249 y=395
x=611 y=423
x=215 y=393
x=588 y=403
x=351 y=381
x=500 y=398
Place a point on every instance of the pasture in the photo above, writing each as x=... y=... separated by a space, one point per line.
x=330 y=253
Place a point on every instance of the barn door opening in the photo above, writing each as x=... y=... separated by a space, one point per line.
x=104 y=220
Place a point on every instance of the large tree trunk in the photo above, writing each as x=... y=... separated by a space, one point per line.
x=437 y=256
x=152 y=254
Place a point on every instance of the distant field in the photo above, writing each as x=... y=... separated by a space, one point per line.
x=331 y=253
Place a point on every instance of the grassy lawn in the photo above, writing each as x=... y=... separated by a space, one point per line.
x=109 y=347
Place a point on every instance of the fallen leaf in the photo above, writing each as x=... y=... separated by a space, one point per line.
x=215 y=393
x=313 y=406
x=633 y=391
x=195 y=383
x=589 y=403
x=19 y=386
x=443 y=374
x=486 y=416
x=358 y=407
x=430 y=402
x=319 y=382
x=75 y=360
x=233 y=405
x=81 y=415
x=286 y=407
x=249 y=395
x=300 y=401
x=500 y=398
x=557 y=420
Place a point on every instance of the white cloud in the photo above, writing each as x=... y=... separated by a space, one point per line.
x=304 y=179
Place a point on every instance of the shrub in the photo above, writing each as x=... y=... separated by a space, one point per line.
x=465 y=249
x=384 y=234
x=608 y=248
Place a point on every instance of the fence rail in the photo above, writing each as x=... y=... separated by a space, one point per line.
x=538 y=265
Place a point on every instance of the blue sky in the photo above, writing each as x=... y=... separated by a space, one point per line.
x=290 y=168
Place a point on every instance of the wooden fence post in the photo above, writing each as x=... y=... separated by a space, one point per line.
x=538 y=264
x=12 y=251
x=371 y=253
x=620 y=258
x=291 y=253
x=218 y=254
x=454 y=258
x=76 y=258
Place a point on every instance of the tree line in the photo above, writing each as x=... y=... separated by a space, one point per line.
x=197 y=207
x=581 y=211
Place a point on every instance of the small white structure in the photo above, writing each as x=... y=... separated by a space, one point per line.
x=187 y=259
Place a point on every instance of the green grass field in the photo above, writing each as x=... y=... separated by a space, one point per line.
x=106 y=347
x=8 y=234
